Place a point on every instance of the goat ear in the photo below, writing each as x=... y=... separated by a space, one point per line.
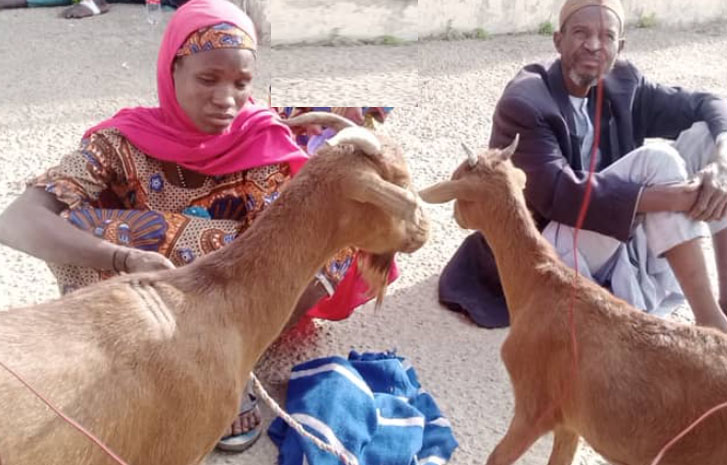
x=446 y=191
x=397 y=201
x=520 y=177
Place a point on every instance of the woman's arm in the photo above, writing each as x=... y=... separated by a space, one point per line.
x=32 y=224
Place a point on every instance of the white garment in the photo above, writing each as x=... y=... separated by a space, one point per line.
x=584 y=131
x=635 y=270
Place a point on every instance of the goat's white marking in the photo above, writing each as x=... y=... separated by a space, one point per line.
x=410 y=421
x=326 y=431
x=362 y=138
x=157 y=313
x=340 y=369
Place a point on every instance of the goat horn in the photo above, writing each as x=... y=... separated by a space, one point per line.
x=509 y=151
x=471 y=155
x=359 y=137
x=395 y=200
x=323 y=118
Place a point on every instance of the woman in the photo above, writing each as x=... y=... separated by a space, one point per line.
x=154 y=188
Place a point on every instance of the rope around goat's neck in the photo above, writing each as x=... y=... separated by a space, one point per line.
x=345 y=457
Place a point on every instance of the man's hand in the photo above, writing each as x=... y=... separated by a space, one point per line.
x=137 y=260
x=711 y=203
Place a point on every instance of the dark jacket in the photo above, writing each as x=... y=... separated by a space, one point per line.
x=535 y=104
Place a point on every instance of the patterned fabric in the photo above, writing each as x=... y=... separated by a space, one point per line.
x=117 y=193
x=221 y=35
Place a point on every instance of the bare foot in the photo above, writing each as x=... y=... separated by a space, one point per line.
x=86 y=8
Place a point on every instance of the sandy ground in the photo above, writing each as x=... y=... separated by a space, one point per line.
x=59 y=77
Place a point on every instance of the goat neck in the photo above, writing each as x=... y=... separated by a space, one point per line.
x=520 y=250
x=260 y=277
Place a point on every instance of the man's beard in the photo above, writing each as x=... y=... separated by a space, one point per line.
x=582 y=81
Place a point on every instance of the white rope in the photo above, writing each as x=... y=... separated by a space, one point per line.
x=343 y=455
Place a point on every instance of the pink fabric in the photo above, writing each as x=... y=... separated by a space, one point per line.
x=256 y=136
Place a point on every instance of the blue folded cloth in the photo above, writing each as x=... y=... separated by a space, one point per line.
x=371 y=404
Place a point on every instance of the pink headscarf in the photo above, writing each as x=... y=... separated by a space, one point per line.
x=256 y=137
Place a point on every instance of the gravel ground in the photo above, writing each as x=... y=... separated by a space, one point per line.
x=59 y=77
x=344 y=76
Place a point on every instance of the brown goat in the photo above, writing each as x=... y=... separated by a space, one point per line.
x=639 y=380
x=155 y=363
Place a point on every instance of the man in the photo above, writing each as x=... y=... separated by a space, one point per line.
x=649 y=203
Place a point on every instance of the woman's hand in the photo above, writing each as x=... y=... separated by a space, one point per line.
x=134 y=260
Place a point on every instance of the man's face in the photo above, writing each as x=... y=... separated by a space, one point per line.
x=588 y=43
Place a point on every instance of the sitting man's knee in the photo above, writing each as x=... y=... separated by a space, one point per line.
x=662 y=163
x=699 y=130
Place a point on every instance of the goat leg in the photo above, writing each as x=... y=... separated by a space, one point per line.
x=521 y=434
x=565 y=445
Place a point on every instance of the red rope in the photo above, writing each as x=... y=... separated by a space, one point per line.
x=66 y=418
x=686 y=431
x=579 y=222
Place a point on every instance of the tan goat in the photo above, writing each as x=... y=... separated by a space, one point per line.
x=639 y=381
x=155 y=363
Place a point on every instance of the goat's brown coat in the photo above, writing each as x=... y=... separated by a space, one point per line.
x=639 y=381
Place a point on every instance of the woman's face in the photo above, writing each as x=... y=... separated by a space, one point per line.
x=212 y=86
